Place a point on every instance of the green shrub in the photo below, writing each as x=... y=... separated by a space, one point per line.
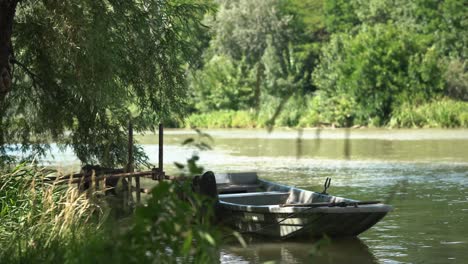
x=444 y=113
x=310 y=119
x=222 y=119
x=243 y=119
x=368 y=75
x=456 y=78
x=464 y=119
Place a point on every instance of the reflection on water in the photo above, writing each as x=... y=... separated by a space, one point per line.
x=422 y=173
x=351 y=250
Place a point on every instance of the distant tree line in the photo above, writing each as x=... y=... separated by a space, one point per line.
x=335 y=62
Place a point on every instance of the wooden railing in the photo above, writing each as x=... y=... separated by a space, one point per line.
x=98 y=175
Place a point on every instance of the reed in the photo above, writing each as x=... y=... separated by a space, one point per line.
x=44 y=222
x=443 y=113
x=222 y=119
x=35 y=210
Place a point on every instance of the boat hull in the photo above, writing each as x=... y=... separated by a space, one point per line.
x=284 y=226
x=269 y=209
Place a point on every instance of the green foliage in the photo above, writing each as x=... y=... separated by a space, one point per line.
x=379 y=55
x=289 y=116
x=251 y=54
x=241 y=28
x=378 y=69
x=452 y=38
x=45 y=223
x=337 y=111
x=170 y=229
x=456 y=78
x=308 y=16
x=221 y=119
x=339 y=15
x=222 y=84
x=34 y=208
x=377 y=11
x=439 y=113
x=82 y=69
x=308 y=27
x=282 y=76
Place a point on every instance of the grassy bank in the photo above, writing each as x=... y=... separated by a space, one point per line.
x=44 y=222
x=438 y=114
x=444 y=113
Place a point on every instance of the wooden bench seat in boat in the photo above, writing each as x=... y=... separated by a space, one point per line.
x=256 y=198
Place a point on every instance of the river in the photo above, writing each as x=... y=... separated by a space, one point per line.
x=423 y=174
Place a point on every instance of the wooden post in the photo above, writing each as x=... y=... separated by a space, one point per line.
x=160 y=170
x=161 y=142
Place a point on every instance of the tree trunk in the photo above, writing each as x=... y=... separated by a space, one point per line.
x=7 y=13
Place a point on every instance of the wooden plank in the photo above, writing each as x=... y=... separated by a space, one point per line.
x=88 y=178
x=81 y=175
x=146 y=174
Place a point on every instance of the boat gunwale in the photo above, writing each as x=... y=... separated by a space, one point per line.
x=278 y=209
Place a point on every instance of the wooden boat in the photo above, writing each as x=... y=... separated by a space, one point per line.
x=256 y=206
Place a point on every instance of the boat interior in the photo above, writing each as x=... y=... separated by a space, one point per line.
x=245 y=188
x=256 y=198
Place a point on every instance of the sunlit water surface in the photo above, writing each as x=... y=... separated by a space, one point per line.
x=422 y=173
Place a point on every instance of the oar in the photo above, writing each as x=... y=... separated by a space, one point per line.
x=339 y=204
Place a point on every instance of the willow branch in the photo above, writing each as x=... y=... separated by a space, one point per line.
x=35 y=79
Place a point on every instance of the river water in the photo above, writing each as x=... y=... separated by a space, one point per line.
x=423 y=174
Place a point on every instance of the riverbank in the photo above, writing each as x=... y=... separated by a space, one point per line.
x=444 y=113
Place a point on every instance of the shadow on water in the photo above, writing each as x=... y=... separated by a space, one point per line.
x=300 y=131
x=347 y=144
x=344 y=250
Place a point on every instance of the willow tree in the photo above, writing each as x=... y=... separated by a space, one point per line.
x=75 y=71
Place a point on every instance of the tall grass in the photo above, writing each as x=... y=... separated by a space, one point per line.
x=295 y=112
x=339 y=112
x=30 y=205
x=444 y=113
x=36 y=213
x=222 y=119
x=44 y=222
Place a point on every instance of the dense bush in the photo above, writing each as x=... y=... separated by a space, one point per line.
x=456 y=77
x=222 y=84
x=379 y=69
